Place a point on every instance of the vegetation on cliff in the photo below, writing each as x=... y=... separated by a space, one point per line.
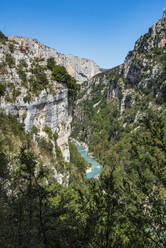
x=120 y=114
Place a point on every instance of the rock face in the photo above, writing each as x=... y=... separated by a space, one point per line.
x=80 y=68
x=45 y=111
x=30 y=91
x=138 y=84
x=155 y=38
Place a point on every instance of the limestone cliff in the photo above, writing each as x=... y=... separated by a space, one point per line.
x=45 y=111
x=80 y=68
x=28 y=91
x=133 y=87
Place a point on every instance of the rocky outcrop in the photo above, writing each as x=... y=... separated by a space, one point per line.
x=80 y=68
x=155 y=38
x=131 y=88
x=30 y=91
x=37 y=104
x=45 y=111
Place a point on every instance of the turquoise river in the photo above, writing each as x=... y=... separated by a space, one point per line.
x=95 y=166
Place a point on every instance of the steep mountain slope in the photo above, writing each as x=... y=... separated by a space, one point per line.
x=45 y=201
x=121 y=115
x=34 y=93
x=114 y=101
x=80 y=68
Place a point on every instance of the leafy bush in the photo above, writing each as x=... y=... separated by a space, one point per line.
x=23 y=63
x=22 y=74
x=10 y=60
x=48 y=131
x=16 y=93
x=2 y=89
x=60 y=75
x=27 y=98
x=128 y=101
x=45 y=146
x=11 y=47
x=58 y=153
x=34 y=129
x=51 y=63
x=55 y=135
x=40 y=78
x=3 y=69
x=3 y=37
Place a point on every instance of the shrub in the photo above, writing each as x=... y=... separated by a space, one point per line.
x=48 y=131
x=23 y=63
x=22 y=74
x=128 y=101
x=3 y=37
x=40 y=75
x=27 y=98
x=10 y=60
x=2 y=89
x=60 y=75
x=34 y=129
x=24 y=84
x=55 y=135
x=11 y=47
x=3 y=69
x=36 y=87
x=16 y=93
x=45 y=146
x=58 y=153
x=51 y=63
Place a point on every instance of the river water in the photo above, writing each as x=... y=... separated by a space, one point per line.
x=95 y=168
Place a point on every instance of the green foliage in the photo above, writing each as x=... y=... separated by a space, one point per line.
x=10 y=60
x=3 y=68
x=27 y=98
x=38 y=81
x=3 y=38
x=48 y=131
x=2 y=89
x=130 y=53
x=58 y=153
x=23 y=63
x=128 y=101
x=60 y=74
x=51 y=63
x=39 y=72
x=11 y=47
x=55 y=136
x=77 y=160
x=34 y=129
x=45 y=146
x=10 y=122
x=125 y=208
x=16 y=93
x=22 y=74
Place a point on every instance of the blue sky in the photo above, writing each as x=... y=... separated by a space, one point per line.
x=102 y=30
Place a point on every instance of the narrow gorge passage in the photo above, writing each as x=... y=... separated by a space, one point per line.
x=95 y=169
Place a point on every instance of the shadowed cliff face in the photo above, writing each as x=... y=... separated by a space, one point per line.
x=80 y=68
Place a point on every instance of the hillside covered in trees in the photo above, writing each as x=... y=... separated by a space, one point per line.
x=46 y=201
